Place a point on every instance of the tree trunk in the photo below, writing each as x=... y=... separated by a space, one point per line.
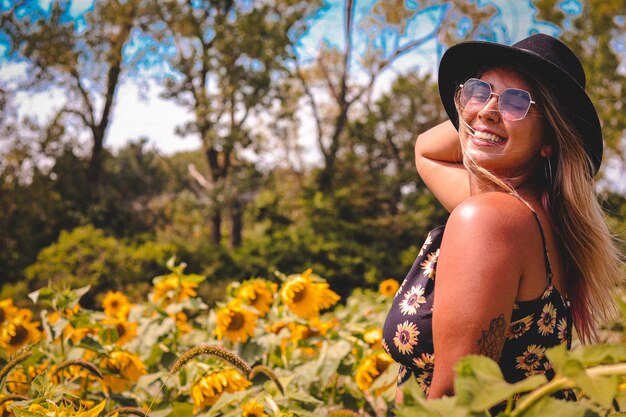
x=216 y=227
x=236 y=214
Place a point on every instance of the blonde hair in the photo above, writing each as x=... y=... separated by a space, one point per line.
x=593 y=263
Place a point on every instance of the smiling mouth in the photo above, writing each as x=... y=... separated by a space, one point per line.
x=488 y=137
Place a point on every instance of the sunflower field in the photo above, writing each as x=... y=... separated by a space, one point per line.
x=285 y=346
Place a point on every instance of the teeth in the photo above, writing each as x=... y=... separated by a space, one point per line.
x=489 y=137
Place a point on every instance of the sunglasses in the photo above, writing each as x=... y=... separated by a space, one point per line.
x=513 y=103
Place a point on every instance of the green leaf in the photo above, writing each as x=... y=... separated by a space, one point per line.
x=442 y=407
x=601 y=389
x=330 y=357
x=302 y=396
x=92 y=344
x=587 y=356
x=412 y=391
x=193 y=278
x=480 y=384
x=181 y=409
x=46 y=295
x=548 y=406
x=225 y=400
x=480 y=367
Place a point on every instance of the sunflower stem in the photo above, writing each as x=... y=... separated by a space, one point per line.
x=562 y=382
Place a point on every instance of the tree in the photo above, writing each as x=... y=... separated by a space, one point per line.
x=230 y=57
x=340 y=80
x=87 y=64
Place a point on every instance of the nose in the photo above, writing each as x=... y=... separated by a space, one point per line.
x=490 y=110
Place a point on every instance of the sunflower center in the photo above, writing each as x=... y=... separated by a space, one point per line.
x=381 y=366
x=20 y=337
x=404 y=337
x=517 y=327
x=120 y=330
x=532 y=358
x=299 y=295
x=236 y=322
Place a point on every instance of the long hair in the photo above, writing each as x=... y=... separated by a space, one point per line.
x=593 y=263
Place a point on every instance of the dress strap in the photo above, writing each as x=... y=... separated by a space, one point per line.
x=543 y=241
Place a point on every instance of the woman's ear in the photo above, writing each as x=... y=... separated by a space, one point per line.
x=546 y=151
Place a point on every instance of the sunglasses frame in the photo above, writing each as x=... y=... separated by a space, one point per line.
x=504 y=114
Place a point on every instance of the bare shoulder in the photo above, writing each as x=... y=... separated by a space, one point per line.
x=494 y=216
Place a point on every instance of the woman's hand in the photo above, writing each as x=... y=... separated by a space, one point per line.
x=438 y=160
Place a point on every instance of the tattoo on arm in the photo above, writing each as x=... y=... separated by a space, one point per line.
x=492 y=340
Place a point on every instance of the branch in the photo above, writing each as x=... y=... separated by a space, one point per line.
x=80 y=115
x=201 y=179
x=348 y=52
x=329 y=81
x=395 y=55
x=314 y=107
x=83 y=92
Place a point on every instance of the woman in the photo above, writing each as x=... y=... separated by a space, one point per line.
x=525 y=253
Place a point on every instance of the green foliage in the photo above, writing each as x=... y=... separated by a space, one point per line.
x=88 y=256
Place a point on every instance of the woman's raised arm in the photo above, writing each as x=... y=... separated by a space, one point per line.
x=438 y=160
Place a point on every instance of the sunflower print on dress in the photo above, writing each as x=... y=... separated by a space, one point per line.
x=534 y=326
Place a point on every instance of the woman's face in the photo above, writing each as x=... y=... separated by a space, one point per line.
x=507 y=148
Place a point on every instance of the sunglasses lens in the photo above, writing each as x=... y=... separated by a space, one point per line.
x=475 y=94
x=514 y=103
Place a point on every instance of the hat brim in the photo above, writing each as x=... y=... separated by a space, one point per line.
x=465 y=60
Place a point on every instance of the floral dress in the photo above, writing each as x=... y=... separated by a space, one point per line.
x=535 y=324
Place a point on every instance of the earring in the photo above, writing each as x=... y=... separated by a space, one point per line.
x=547 y=170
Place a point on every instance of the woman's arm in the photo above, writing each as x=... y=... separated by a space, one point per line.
x=438 y=160
x=479 y=269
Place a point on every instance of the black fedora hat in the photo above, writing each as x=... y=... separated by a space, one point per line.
x=543 y=55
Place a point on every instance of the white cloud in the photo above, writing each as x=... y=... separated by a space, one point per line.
x=156 y=119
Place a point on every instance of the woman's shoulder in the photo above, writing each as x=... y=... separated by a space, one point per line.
x=491 y=215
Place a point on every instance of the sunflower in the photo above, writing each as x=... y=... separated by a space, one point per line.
x=425 y=365
x=259 y=294
x=172 y=289
x=304 y=297
x=4 y=407
x=412 y=300
x=406 y=337
x=388 y=287
x=373 y=337
x=371 y=368
x=429 y=266
x=208 y=389
x=116 y=305
x=253 y=409
x=426 y=244
x=181 y=322
x=123 y=369
x=7 y=310
x=519 y=327
x=547 y=320
x=119 y=331
x=235 y=323
x=19 y=331
x=531 y=358
x=563 y=331
x=17 y=382
x=65 y=410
